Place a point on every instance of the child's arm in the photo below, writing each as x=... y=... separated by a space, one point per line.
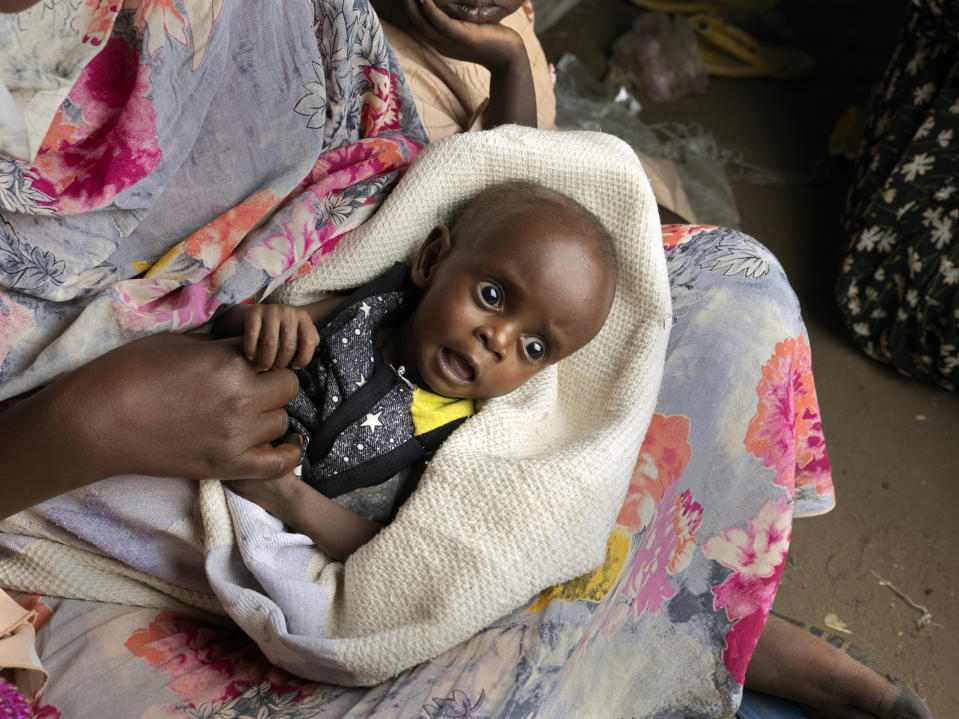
x=276 y=335
x=494 y=46
x=334 y=528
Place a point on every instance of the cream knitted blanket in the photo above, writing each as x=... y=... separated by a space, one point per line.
x=525 y=494
x=521 y=497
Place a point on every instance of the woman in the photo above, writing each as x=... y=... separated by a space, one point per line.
x=122 y=162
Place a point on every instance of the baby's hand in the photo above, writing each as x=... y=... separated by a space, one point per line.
x=276 y=335
x=491 y=45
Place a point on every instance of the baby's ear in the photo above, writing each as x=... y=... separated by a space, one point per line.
x=435 y=247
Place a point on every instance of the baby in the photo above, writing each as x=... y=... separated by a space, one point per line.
x=525 y=277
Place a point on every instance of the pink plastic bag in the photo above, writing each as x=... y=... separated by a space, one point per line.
x=658 y=58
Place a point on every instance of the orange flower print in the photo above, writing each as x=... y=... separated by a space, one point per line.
x=662 y=459
x=786 y=431
x=213 y=243
x=97 y=18
x=161 y=19
x=674 y=235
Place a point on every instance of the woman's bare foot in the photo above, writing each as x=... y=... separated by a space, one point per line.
x=831 y=683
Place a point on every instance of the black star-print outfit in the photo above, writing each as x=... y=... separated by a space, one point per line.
x=354 y=409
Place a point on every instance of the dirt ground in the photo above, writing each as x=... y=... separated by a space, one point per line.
x=893 y=442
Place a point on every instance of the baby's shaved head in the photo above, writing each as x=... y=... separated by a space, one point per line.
x=505 y=198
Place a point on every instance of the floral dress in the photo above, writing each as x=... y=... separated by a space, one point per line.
x=664 y=628
x=898 y=291
x=105 y=214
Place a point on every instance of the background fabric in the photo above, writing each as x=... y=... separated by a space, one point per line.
x=155 y=197
x=898 y=290
x=664 y=628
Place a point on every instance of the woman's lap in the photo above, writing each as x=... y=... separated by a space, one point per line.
x=734 y=450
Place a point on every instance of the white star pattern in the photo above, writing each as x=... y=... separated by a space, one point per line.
x=372 y=421
x=365 y=308
x=361 y=381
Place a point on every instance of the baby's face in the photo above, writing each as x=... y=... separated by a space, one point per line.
x=513 y=295
x=479 y=11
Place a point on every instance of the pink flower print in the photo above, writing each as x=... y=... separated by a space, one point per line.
x=16 y=323
x=662 y=548
x=757 y=555
x=369 y=157
x=662 y=459
x=85 y=165
x=381 y=106
x=786 y=431
x=686 y=520
x=206 y=665
x=301 y=238
x=665 y=548
x=144 y=305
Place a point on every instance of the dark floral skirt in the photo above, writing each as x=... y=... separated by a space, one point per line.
x=898 y=283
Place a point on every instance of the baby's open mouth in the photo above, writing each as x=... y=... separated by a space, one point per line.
x=456 y=367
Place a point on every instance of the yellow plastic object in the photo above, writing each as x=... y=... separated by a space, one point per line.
x=731 y=52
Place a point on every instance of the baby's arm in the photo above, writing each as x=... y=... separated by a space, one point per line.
x=334 y=528
x=512 y=96
x=276 y=335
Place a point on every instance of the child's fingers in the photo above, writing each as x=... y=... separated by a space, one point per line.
x=269 y=341
x=309 y=338
x=286 y=347
x=251 y=334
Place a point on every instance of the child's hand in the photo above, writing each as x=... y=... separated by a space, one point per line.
x=276 y=335
x=491 y=45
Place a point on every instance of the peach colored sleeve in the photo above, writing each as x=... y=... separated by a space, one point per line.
x=16 y=647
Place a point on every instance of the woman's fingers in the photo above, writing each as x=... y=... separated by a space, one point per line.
x=270 y=426
x=266 y=463
x=414 y=11
x=274 y=389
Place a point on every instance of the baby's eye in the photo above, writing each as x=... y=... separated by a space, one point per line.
x=491 y=294
x=534 y=347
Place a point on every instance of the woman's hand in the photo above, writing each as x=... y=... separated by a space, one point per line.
x=494 y=46
x=180 y=406
x=167 y=406
x=512 y=95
